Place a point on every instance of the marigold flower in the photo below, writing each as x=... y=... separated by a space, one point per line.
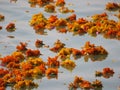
x=7 y=59
x=18 y=55
x=50 y=8
x=52 y=18
x=26 y=84
x=21 y=47
x=13 y=65
x=85 y=85
x=26 y=66
x=112 y=6
x=2 y=83
x=53 y=62
x=35 y=61
x=3 y=72
x=1 y=17
x=68 y=64
x=58 y=45
x=39 y=43
x=52 y=73
x=10 y=27
x=60 y=3
x=32 y=53
x=97 y=84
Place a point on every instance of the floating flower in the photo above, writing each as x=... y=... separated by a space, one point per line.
x=97 y=84
x=10 y=27
x=58 y=45
x=21 y=47
x=2 y=83
x=79 y=82
x=18 y=55
x=52 y=73
x=39 y=43
x=1 y=17
x=13 y=65
x=2 y=88
x=26 y=84
x=50 y=8
x=112 y=6
x=32 y=53
x=53 y=62
x=107 y=72
x=7 y=59
x=68 y=64
x=85 y=85
x=91 y=49
x=35 y=61
x=26 y=66
x=71 y=18
x=64 y=9
x=3 y=72
x=0 y=27
x=52 y=19
x=64 y=53
x=76 y=53
x=60 y=3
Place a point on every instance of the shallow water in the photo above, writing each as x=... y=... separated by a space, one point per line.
x=16 y=12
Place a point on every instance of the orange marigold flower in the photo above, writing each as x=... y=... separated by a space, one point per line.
x=76 y=53
x=1 y=17
x=50 y=8
x=62 y=30
x=112 y=6
x=26 y=66
x=53 y=62
x=60 y=2
x=13 y=65
x=58 y=45
x=8 y=59
x=2 y=87
x=71 y=18
x=97 y=84
x=85 y=85
x=32 y=53
x=0 y=27
x=18 y=55
x=108 y=70
x=3 y=72
x=10 y=27
x=2 y=82
x=68 y=64
x=52 y=18
x=82 y=21
x=21 y=47
x=52 y=73
x=39 y=43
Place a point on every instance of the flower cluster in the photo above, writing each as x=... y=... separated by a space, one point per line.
x=112 y=6
x=106 y=73
x=79 y=82
x=24 y=65
x=99 y=24
x=95 y=53
x=49 y=5
x=58 y=45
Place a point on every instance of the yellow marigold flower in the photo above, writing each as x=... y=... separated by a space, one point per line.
x=18 y=55
x=68 y=64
